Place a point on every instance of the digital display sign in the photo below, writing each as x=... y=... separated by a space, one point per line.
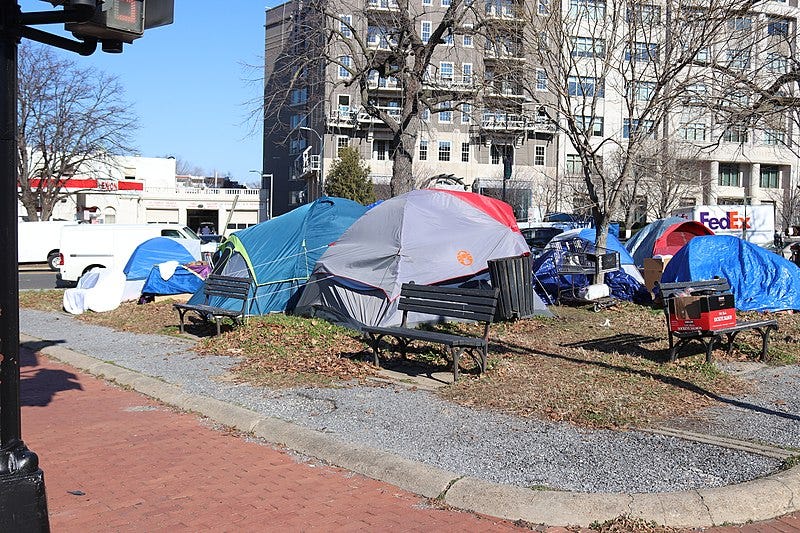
x=126 y=15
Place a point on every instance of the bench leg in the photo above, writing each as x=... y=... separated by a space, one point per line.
x=455 y=354
x=374 y=342
x=218 y=320
x=764 y=332
x=710 y=349
x=181 y=312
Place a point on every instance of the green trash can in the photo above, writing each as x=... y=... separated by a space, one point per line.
x=512 y=275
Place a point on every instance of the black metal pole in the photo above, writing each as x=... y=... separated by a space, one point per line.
x=23 y=505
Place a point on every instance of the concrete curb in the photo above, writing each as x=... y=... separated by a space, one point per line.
x=760 y=499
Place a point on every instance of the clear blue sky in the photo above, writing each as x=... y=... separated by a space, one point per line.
x=187 y=83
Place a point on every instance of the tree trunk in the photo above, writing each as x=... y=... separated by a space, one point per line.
x=403 y=161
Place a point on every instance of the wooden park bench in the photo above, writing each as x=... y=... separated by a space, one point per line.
x=708 y=338
x=225 y=287
x=466 y=304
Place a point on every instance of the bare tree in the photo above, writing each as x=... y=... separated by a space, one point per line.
x=363 y=46
x=71 y=120
x=646 y=57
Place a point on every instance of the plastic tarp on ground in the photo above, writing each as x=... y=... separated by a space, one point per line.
x=664 y=236
x=760 y=280
x=99 y=290
x=428 y=236
x=279 y=255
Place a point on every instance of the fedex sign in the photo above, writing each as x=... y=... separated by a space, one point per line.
x=732 y=220
x=756 y=223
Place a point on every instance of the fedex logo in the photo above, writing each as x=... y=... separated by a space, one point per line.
x=732 y=220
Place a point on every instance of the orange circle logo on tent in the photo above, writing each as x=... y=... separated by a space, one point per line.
x=464 y=257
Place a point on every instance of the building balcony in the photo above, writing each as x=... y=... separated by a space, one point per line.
x=199 y=191
x=516 y=123
x=449 y=83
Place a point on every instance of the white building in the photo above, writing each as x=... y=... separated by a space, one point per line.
x=144 y=189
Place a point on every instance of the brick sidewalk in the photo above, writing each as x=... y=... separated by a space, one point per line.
x=135 y=465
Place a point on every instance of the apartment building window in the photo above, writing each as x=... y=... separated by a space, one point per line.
x=728 y=175
x=425 y=114
x=696 y=94
x=427 y=2
x=445 y=3
x=467 y=37
x=298 y=120
x=345 y=23
x=642 y=90
x=738 y=58
x=444 y=150
x=590 y=9
x=635 y=126
x=735 y=134
x=777 y=63
x=644 y=14
x=588 y=47
x=425 y=31
x=541 y=79
x=465 y=152
x=642 y=52
x=495 y=154
x=543 y=7
x=446 y=113
x=778 y=26
x=774 y=137
x=574 y=164
x=299 y=96
x=466 y=73
x=423 y=150
x=446 y=71
x=592 y=126
x=344 y=67
x=342 y=142
x=538 y=155
x=466 y=113
x=770 y=177
x=343 y=101
x=297 y=145
x=381 y=149
x=740 y=23
x=585 y=86
x=693 y=131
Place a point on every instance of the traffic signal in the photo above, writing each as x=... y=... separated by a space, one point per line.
x=120 y=21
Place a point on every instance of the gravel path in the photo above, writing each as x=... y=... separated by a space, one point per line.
x=495 y=447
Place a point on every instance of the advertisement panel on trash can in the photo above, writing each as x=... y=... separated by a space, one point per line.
x=754 y=223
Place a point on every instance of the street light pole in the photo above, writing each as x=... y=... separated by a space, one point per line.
x=320 y=138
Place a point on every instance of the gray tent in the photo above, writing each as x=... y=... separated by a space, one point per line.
x=428 y=236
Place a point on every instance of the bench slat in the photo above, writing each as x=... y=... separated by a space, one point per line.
x=222 y=286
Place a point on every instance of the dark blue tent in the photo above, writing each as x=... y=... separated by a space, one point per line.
x=279 y=255
x=153 y=252
x=760 y=280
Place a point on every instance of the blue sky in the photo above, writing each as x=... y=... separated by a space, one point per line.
x=187 y=83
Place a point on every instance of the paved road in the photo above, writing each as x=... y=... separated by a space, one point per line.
x=36 y=277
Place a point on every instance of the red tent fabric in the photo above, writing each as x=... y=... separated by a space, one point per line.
x=677 y=235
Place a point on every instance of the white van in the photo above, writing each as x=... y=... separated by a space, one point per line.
x=85 y=246
x=38 y=242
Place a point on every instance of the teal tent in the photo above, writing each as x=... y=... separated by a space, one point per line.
x=279 y=255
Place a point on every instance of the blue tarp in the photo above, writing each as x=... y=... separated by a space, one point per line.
x=153 y=252
x=760 y=280
x=279 y=255
x=183 y=281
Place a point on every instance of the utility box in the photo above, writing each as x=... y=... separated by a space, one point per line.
x=701 y=313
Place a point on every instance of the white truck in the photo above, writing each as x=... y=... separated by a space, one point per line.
x=754 y=223
x=85 y=246
x=38 y=242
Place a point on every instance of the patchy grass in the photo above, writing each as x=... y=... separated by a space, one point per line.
x=603 y=369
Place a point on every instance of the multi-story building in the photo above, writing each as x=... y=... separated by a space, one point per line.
x=498 y=135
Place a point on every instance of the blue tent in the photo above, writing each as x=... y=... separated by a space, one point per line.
x=760 y=280
x=279 y=255
x=153 y=252
x=182 y=281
